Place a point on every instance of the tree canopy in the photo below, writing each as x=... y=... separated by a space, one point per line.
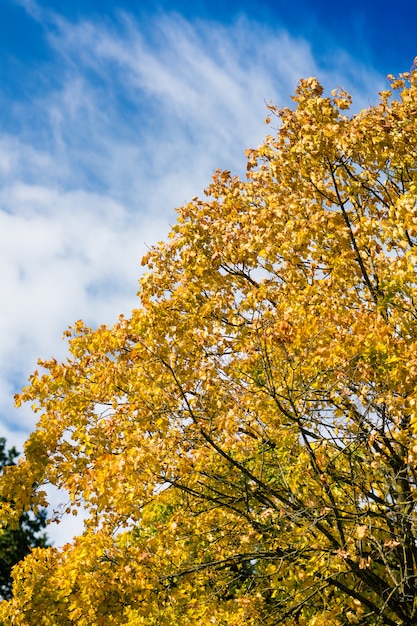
x=17 y=542
x=245 y=443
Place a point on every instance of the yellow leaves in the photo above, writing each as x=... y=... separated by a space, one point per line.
x=341 y=98
x=365 y=563
x=241 y=441
x=362 y=531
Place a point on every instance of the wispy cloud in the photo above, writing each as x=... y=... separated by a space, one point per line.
x=130 y=119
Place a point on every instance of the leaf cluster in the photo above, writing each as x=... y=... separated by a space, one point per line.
x=17 y=541
x=245 y=443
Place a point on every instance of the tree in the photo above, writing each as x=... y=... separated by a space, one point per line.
x=245 y=443
x=16 y=543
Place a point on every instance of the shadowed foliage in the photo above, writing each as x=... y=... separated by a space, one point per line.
x=17 y=542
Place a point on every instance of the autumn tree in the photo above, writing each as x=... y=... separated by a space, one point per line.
x=245 y=443
x=17 y=542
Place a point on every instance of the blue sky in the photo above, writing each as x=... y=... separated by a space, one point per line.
x=378 y=32
x=114 y=113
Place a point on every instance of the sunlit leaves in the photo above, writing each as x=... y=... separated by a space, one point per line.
x=244 y=444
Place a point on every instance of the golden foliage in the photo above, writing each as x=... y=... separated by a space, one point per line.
x=245 y=443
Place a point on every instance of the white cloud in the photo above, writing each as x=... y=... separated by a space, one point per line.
x=135 y=119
